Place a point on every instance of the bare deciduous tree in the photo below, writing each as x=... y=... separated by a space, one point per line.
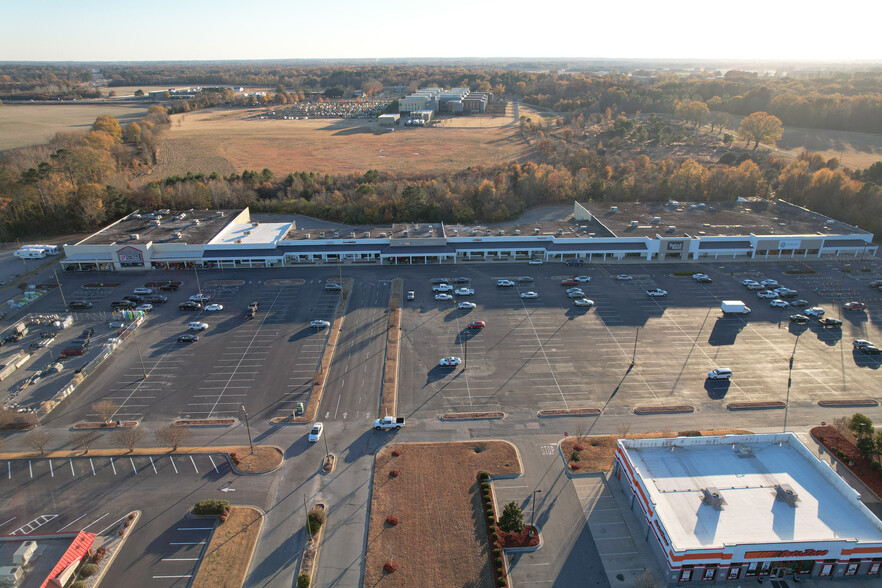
x=624 y=429
x=841 y=424
x=105 y=409
x=128 y=437
x=84 y=440
x=172 y=436
x=38 y=441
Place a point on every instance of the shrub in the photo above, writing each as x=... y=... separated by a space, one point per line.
x=317 y=518
x=500 y=572
x=491 y=520
x=303 y=581
x=497 y=552
x=494 y=536
x=392 y=520
x=394 y=473
x=576 y=456
x=840 y=454
x=484 y=475
x=131 y=518
x=223 y=518
x=577 y=447
x=89 y=570
x=396 y=453
x=575 y=466
x=390 y=566
x=498 y=561
x=122 y=532
x=485 y=486
x=501 y=582
x=690 y=433
x=127 y=524
x=78 y=584
x=876 y=466
x=211 y=506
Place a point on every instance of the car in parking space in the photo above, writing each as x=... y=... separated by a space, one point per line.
x=157 y=299
x=197 y=326
x=190 y=305
x=411 y=295
x=574 y=289
x=170 y=287
x=755 y=286
x=785 y=293
x=201 y=298
x=854 y=305
x=719 y=374
x=875 y=284
x=770 y=283
x=814 y=311
x=316 y=433
x=799 y=319
x=442 y=288
x=536 y=262
x=214 y=307
x=462 y=280
x=583 y=302
x=799 y=303
x=702 y=278
x=477 y=325
x=624 y=277
x=505 y=283
x=576 y=294
x=146 y=307
x=861 y=343
x=467 y=305
x=829 y=322
x=116 y=324
x=778 y=303
x=333 y=287
x=443 y=297
x=529 y=295
x=656 y=292
x=319 y=324
x=439 y=280
x=188 y=338
x=79 y=304
x=525 y=279
x=142 y=291
x=568 y=282
x=123 y=305
x=450 y=361
x=748 y=282
x=766 y=294
x=134 y=298
x=582 y=279
x=464 y=292
x=575 y=262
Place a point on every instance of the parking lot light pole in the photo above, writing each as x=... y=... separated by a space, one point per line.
x=60 y=291
x=248 y=428
x=140 y=358
x=198 y=287
x=327 y=451
x=465 y=362
x=634 y=356
x=533 y=512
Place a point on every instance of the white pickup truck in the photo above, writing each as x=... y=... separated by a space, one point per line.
x=389 y=422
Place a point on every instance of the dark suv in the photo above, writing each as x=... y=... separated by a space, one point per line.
x=122 y=305
x=190 y=305
x=170 y=287
x=134 y=298
x=157 y=299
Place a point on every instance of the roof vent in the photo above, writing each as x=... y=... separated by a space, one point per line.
x=176 y=235
x=712 y=497
x=786 y=493
x=743 y=451
x=671 y=229
x=536 y=231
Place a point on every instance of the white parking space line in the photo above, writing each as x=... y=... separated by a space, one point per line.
x=171 y=459
x=194 y=464
x=95 y=521
x=213 y=464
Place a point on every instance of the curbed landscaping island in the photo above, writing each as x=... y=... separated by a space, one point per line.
x=228 y=555
x=427 y=520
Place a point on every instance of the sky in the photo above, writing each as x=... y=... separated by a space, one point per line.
x=123 y=30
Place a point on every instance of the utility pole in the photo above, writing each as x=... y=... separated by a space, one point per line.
x=248 y=428
x=60 y=291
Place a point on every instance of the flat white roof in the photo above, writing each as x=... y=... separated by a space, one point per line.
x=746 y=470
x=262 y=233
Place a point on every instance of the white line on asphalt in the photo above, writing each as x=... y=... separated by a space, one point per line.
x=31 y=469
x=113 y=524
x=51 y=470
x=195 y=528
x=70 y=523
x=93 y=466
x=72 y=473
x=188 y=543
x=9 y=468
x=179 y=559
x=611 y=538
x=171 y=459
x=193 y=462
x=213 y=464
x=113 y=466
x=133 y=465
x=171 y=577
x=534 y=564
x=154 y=466
x=95 y=521
x=9 y=521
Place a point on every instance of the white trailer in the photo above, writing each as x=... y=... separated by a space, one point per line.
x=30 y=253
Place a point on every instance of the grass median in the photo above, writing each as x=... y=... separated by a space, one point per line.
x=393 y=346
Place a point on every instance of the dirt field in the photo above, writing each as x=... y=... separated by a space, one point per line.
x=441 y=539
x=24 y=125
x=227 y=140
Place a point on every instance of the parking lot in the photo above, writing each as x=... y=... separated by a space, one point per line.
x=545 y=353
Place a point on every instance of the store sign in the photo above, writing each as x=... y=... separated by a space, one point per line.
x=777 y=554
x=129 y=255
x=675 y=245
x=789 y=244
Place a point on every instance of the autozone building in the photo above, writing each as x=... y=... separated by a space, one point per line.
x=735 y=507
x=649 y=232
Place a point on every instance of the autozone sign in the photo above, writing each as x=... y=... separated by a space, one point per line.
x=777 y=554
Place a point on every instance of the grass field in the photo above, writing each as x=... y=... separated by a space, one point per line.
x=228 y=140
x=23 y=125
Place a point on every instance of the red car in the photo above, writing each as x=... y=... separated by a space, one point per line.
x=854 y=305
x=568 y=282
x=477 y=325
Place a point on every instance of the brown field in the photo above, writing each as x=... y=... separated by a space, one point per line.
x=226 y=140
x=23 y=125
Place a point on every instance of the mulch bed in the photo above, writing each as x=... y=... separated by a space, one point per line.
x=664 y=409
x=849 y=402
x=225 y=283
x=285 y=282
x=111 y=426
x=830 y=438
x=205 y=423
x=569 y=412
x=755 y=405
x=521 y=539
x=466 y=416
x=102 y=284
x=158 y=284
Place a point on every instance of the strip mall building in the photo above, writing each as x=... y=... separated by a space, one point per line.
x=653 y=232
x=736 y=507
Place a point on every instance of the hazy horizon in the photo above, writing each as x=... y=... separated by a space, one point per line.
x=55 y=30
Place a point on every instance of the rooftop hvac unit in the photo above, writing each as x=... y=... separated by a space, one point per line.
x=10 y=575
x=830 y=221
x=220 y=213
x=536 y=231
x=501 y=232
x=156 y=223
x=164 y=211
x=656 y=220
x=24 y=553
x=613 y=208
x=517 y=232
x=383 y=235
x=367 y=234
x=591 y=235
x=787 y=494
x=176 y=235
x=308 y=235
x=352 y=235
x=196 y=222
x=404 y=233
x=671 y=228
x=487 y=231
x=322 y=235
x=134 y=236
x=712 y=497
x=559 y=232
x=634 y=224
x=584 y=227
x=246 y=233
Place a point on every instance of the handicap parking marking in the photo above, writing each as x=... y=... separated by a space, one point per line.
x=34 y=524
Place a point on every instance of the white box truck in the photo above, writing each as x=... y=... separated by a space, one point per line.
x=734 y=307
